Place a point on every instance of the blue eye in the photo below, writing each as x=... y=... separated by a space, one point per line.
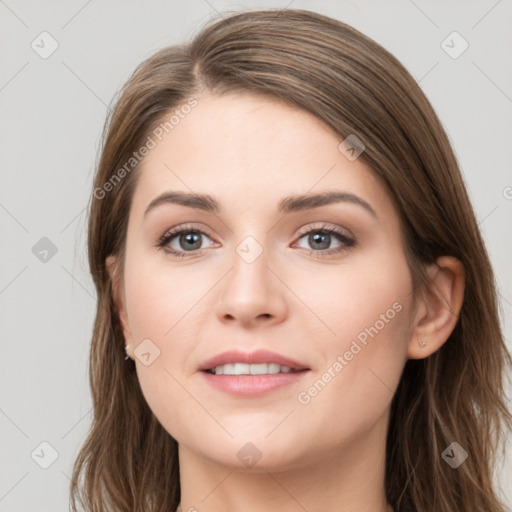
x=191 y=244
x=187 y=238
x=320 y=238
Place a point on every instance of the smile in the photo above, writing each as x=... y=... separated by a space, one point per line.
x=251 y=369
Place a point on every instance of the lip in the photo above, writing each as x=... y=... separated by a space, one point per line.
x=256 y=357
x=252 y=385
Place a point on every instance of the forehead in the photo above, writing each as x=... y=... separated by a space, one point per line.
x=248 y=150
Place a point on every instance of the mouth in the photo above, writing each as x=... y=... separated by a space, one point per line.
x=250 y=374
x=252 y=369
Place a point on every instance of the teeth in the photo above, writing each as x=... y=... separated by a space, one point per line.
x=251 y=369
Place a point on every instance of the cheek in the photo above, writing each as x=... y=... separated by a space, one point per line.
x=165 y=310
x=368 y=308
x=159 y=300
x=365 y=299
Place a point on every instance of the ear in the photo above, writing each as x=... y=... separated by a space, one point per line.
x=438 y=307
x=114 y=270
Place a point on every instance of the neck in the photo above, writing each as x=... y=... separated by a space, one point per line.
x=350 y=479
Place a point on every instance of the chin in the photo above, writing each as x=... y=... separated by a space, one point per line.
x=249 y=453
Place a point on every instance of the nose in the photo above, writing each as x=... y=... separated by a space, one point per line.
x=253 y=293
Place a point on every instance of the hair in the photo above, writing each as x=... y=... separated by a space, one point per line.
x=309 y=61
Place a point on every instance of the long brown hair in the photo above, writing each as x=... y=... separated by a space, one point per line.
x=128 y=461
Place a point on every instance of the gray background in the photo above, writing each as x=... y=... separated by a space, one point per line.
x=53 y=111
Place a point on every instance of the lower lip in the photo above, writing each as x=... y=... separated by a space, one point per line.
x=252 y=385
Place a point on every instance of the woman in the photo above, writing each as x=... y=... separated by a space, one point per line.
x=263 y=372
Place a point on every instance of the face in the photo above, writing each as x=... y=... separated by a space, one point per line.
x=317 y=291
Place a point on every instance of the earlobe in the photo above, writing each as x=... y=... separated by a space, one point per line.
x=113 y=269
x=438 y=308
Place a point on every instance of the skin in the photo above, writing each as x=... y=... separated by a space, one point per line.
x=328 y=454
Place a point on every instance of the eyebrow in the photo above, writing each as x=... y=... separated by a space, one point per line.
x=288 y=204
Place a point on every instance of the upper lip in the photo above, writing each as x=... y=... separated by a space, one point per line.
x=258 y=356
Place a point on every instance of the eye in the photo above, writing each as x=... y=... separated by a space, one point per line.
x=320 y=237
x=183 y=240
x=186 y=241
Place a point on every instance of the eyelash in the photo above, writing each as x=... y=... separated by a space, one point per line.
x=347 y=242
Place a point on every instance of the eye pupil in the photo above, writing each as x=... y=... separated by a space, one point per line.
x=318 y=237
x=191 y=240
